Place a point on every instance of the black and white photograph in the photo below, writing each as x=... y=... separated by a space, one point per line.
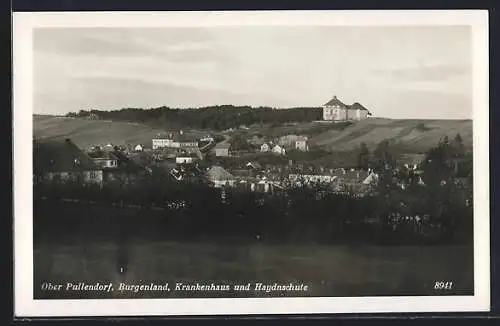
x=259 y=162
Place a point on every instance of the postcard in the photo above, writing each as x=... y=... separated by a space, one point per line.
x=250 y=162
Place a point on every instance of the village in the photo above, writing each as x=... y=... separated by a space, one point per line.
x=214 y=160
x=185 y=158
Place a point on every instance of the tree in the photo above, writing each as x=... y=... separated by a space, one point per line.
x=239 y=142
x=458 y=147
x=363 y=156
x=383 y=157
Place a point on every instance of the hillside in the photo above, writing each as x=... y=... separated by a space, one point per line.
x=85 y=132
x=411 y=135
x=408 y=135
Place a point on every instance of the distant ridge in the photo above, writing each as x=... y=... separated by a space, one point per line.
x=415 y=135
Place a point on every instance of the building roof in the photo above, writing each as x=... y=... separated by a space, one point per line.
x=218 y=173
x=183 y=138
x=103 y=155
x=335 y=101
x=60 y=156
x=358 y=106
x=222 y=145
x=254 y=165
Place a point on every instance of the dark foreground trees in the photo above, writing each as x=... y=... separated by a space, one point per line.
x=192 y=212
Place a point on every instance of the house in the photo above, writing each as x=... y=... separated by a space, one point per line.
x=207 y=139
x=340 y=179
x=264 y=148
x=162 y=142
x=336 y=110
x=186 y=158
x=139 y=148
x=117 y=167
x=219 y=177
x=93 y=116
x=104 y=159
x=63 y=161
x=410 y=161
x=277 y=149
x=222 y=149
x=187 y=173
x=174 y=141
x=254 y=165
x=301 y=144
x=184 y=141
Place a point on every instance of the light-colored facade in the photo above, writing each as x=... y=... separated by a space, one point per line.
x=265 y=148
x=184 y=159
x=302 y=145
x=162 y=142
x=335 y=110
x=106 y=162
x=278 y=150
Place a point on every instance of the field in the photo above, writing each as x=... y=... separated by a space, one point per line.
x=327 y=270
x=97 y=245
x=84 y=132
x=414 y=136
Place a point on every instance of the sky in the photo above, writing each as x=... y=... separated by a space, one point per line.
x=395 y=71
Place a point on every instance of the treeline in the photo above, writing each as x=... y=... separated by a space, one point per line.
x=219 y=117
x=198 y=212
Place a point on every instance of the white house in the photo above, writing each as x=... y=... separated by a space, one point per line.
x=162 y=142
x=219 y=177
x=222 y=150
x=336 y=110
x=139 y=148
x=277 y=149
x=264 y=148
x=301 y=144
x=184 y=159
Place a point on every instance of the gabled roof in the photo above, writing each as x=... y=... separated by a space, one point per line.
x=218 y=173
x=255 y=165
x=335 y=101
x=185 y=138
x=105 y=155
x=222 y=145
x=357 y=106
x=60 y=156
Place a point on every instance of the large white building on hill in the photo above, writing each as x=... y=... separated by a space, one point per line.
x=336 y=110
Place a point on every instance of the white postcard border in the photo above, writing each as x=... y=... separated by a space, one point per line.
x=26 y=306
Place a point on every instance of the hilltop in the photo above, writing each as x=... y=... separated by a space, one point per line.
x=84 y=132
x=410 y=136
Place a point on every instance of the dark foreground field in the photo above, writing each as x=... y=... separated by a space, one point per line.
x=83 y=244
x=327 y=270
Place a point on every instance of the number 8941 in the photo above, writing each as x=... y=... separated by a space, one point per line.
x=443 y=285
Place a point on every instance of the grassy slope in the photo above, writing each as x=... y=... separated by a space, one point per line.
x=371 y=131
x=403 y=132
x=89 y=132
